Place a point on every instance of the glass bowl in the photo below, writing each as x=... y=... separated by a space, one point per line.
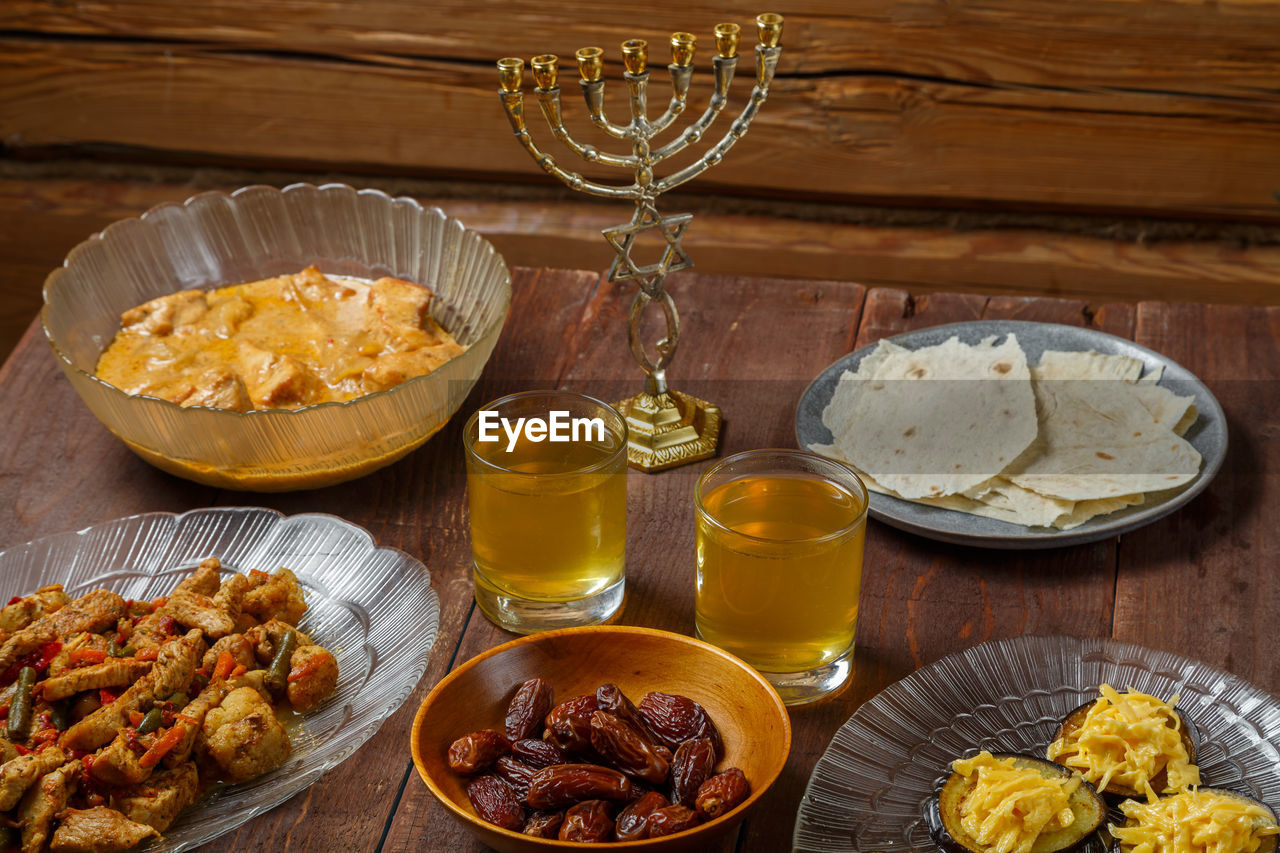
x=372 y=606
x=216 y=239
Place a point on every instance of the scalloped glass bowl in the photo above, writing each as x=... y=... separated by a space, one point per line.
x=373 y=607
x=216 y=239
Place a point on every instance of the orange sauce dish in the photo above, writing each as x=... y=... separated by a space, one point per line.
x=278 y=343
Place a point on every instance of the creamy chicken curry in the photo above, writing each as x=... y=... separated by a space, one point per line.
x=278 y=343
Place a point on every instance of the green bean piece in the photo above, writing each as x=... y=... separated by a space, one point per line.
x=128 y=652
x=112 y=650
x=59 y=717
x=150 y=722
x=278 y=673
x=20 y=708
x=179 y=701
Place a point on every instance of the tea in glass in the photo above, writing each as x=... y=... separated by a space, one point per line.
x=547 y=491
x=779 y=566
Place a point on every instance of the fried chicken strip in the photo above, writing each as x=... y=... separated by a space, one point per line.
x=174 y=667
x=94 y=612
x=114 y=672
x=98 y=830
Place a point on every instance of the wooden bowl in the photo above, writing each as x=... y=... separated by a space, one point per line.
x=751 y=718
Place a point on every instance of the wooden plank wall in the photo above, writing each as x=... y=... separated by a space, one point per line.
x=1152 y=120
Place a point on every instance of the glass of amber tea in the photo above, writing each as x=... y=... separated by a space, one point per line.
x=779 y=566
x=547 y=491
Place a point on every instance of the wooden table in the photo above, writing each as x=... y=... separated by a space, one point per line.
x=1203 y=582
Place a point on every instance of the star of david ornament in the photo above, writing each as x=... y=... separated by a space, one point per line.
x=623 y=237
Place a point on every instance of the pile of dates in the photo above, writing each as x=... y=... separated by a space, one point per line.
x=603 y=769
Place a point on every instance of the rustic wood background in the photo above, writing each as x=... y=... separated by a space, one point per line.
x=1088 y=148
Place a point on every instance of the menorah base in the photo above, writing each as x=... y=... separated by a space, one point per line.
x=668 y=430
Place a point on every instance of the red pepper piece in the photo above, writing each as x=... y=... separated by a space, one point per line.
x=163 y=746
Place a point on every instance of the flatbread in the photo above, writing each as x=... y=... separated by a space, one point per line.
x=1170 y=409
x=1090 y=364
x=936 y=421
x=1097 y=440
x=1105 y=433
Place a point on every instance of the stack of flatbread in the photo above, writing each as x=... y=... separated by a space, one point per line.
x=975 y=428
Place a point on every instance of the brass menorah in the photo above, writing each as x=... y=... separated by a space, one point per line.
x=666 y=427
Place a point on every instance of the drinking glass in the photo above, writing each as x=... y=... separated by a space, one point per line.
x=779 y=566
x=548 y=517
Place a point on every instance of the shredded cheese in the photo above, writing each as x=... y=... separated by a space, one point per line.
x=1007 y=807
x=1128 y=739
x=1194 y=822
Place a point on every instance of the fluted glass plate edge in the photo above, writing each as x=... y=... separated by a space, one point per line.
x=870 y=789
x=372 y=606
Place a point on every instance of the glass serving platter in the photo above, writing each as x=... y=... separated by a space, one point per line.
x=373 y=607
x=872 y=788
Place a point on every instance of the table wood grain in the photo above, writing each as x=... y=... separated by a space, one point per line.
x=1201 y=582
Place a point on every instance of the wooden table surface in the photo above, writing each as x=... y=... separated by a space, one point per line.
x=1202 y=582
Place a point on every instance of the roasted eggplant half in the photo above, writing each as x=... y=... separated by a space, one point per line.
x=1114 y=791
x=1087 y=808
x=1262 y=818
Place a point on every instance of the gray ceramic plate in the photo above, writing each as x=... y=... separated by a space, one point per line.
x=1208 y=435
x=871 y=789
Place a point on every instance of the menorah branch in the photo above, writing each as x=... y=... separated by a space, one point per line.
x=766 y=63
x=724 y=67
x=513 y=105
x=593 y=95
x=681 y=76
x=549 y=101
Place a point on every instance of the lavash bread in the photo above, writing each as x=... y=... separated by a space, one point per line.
x=1097 y=440
x=921 y=426
x=1105 y=434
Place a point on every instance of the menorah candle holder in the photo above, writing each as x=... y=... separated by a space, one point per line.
x=666 y=427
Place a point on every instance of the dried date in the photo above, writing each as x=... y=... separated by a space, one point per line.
x=543 y=824
x=569 y=724
x=609 y=697
x=626 y=748
x=476 y=752
x=517 y=774
x=528 y=708
x=538 y=753
x=590 y=821
x=694 y=763
x=495 y=801
x=670 y=820
x=721 y=793
x=547 y=789
x=565 y=784
x=674 y=719
x=632 y=823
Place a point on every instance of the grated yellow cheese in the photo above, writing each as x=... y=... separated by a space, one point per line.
x=1128 y=739
x=1007 y=807
x=1194 y=822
